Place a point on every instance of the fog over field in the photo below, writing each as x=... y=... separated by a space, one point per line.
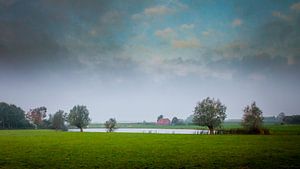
x=134 y=60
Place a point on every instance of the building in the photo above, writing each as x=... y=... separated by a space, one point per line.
x=163 y=121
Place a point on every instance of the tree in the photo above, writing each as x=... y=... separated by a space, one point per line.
x=58 y=120
x=252 y=119
x=210 y=113
x=281 y=117
x=189 y=120
x=12 y=116
x=160 y=117
x=294 y=119
x=79 y=117
x=110 y=125
x=37 y=115
x=174 y=120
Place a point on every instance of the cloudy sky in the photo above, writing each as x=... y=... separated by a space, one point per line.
x=134 y=60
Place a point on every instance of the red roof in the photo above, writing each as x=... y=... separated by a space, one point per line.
x=164 y=122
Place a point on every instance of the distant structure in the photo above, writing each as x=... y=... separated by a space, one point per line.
x=163 y=121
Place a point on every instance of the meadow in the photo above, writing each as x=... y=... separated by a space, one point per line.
x=56 y=149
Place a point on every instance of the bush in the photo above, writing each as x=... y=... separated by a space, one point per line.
x=110 y=125
x=263 y=131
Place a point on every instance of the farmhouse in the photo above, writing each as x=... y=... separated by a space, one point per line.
x=163 y=121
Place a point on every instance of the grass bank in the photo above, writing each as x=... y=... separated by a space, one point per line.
x=51 y=149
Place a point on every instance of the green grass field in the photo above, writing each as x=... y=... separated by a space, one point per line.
x=52 y=149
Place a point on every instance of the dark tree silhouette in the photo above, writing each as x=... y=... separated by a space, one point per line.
x=252 y=119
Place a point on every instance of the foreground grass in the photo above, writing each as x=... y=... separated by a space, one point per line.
x=51 y=149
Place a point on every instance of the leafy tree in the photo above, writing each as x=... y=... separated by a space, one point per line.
x=210 y=113
x=37 y=115
x=252 y=119
x=58 y=120
x=79 y=117
x=174 y=120
x=189 y=120
x=160 y=117
x=281 y=117
x=180 y=122
x=12 y=116
x=110 y=125
x=294 y=119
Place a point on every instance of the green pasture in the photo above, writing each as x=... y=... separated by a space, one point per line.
x=55 y=149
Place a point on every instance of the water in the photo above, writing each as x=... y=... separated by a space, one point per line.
x=145 y=130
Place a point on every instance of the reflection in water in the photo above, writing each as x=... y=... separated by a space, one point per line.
x=146 y=130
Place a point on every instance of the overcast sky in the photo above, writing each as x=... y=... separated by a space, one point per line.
x=134 y=60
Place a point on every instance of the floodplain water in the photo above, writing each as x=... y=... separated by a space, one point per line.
x=145 y=130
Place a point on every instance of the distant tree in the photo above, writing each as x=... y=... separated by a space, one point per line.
x=174 y=120
x=294 y=119
x=281 y=117
x=180 y=122
x=47 y=123
x=79 y=117
x=189 y=119
x=209 y=112
x=37 y=115
x=58 y=120
x=12 y=116
x=110 y=125
x=253 y=118
x=160 y=117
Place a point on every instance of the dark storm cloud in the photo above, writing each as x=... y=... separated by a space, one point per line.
x=277 y=46
x=272 y=49
x=62 y=35
x=26 y=40
x=283 y=36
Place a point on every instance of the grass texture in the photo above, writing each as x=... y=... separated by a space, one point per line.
x=54 y=149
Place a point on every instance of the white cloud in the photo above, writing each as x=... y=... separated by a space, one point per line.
x=187 y=26
x=162 y=68
x=137 y=16
x=206 y=33
x=157 y=10
x=281 y=16
x=165 y=33
x=295 y=7
x=237 y=22
x=187 y=43
x=160 y=10
x=209 y=32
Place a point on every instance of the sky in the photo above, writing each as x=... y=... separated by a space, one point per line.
x=134 y=60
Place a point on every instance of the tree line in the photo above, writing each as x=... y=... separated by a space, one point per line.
x=209 y=112
x=13 y=117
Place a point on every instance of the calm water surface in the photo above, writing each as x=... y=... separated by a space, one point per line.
x=145 y=130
